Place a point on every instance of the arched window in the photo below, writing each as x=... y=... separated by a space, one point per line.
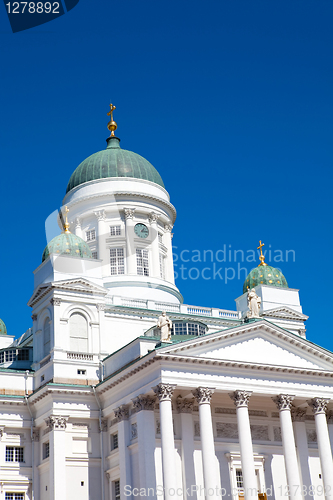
x=78 y=333
x=47 y=337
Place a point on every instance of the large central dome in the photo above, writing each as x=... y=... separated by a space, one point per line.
x=114 y=162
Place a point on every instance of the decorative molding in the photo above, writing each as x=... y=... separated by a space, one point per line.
x=152 y=217
x=129 y=213
x=226 y=430
x=34 y=317
x=283 y=401
x=329 y=417
x=168 y=228
x=227 y=411
x=184 y=405
x=277 y=434
x=318 y=405
x=121 y=413
x=241 y=398
x=56 y=422
x=203 y=395
x=311 y=435
x=144 y=402
x=197 y=429
x=100 y=215
x=103 y=427
x=298 y=414
x=134 y=430
x=35 y=434
x=164 y=392
x=2 y=430
x=55 y=302
x=259 y=433
x=101 y=307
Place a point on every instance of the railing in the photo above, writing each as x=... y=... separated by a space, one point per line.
x=134 y=303
x=228 y=314
x=80 y=356
x=163 y=306
x=201 y=311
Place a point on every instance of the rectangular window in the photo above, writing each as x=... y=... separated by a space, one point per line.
x=46 y=450
x=91 y=235
x=114 y=441
x=14 y=454
x=117 y=261
x=162 y=266
x=81 y=372
x=23 y=355
x=14 y=496
x=115 y=231
x=142 y=263
x=11 y=355
x=239 y=479
x=2 y=357
x=116 y=489
x=94 y=255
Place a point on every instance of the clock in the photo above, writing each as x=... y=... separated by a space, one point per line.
x=141 y=230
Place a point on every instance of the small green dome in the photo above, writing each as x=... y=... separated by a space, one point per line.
x=265 y=275
x=67 y=244
x=3 y=329
x=114 y=162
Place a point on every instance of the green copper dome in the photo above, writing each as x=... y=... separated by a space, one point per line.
x=67 y=244
x=3 y=329
x=265 y=275
x=114 y=162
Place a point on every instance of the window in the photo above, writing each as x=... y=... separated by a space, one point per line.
x=2 y=356
x=11 y=355
x=14 y=496
x=115 y=231
x=162 y=266
x=116 y=489
x=114 y=441
x=117 y=261
x=23 y=355
x=47 y=337
x=14 y=454
x=94 y=255
x=239 y=479
x=78 y=333
x=81 y=372
x=46 y=450
x=142 y=262
x=160 y=240
x=91 y=235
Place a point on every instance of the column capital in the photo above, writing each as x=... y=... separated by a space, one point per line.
x=164 y=392
x=203 y=394
x=184 y=405
x=144 y=402
x=298 y=414
x=34 y=317
x=100 y=215
x=35 y=434
x=100 y=307
x=129 y=213
x=152 y=217
x=55 y=302
x=318 y=405
x=168 y=228
x=121 y=413
x=241 y=398
x=283 y=401
x=56 y=422
x=103 y=427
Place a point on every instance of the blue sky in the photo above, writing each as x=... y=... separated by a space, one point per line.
x=230 y=100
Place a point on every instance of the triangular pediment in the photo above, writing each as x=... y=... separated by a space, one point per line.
x=257 y=343
x=78 y=285
x=284 y=313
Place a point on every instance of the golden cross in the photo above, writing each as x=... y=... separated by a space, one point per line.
x=110 y=113
x=260 y=246
x=261 y=256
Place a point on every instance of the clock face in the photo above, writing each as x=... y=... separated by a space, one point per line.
x=141 y=230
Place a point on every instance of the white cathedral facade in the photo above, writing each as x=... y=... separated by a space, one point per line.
x=94 y=406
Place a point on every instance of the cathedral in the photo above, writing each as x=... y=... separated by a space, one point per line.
x=120 y=390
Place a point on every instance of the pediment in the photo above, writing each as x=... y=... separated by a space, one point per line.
x=284 y=313
x=80 y=285
x=259 y=343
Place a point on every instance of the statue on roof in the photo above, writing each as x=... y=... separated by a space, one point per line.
x=165 y=325
x=253 y=302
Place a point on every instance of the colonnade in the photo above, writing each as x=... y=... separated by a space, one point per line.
x=295 y=458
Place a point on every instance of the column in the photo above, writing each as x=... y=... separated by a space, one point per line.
x=319 y=407
x=36 y=462
x=57 y=438
x=78 y=229
x=203 y=396
x=122 y=414
x=154 y=244
x=185 y=408
x=167 y=240
x=241 y=400
x=144 y=406
x=298 y=418
x=101 y=238
x=131 y=267
x=330 y=426
x=164 y=393
x=283 y=403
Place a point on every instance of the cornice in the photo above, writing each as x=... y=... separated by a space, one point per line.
x=68 y=286
x=48 y=390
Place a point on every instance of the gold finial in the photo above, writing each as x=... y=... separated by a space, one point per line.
x=112 y=126
x=66 y=224
x=261 y=256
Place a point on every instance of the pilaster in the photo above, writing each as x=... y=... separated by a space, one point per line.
x=185 y=408
x=57 y=426
x=167 y=240
x=153 y=217
x=298 y=418
x=130 y=247
x=122 y=414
